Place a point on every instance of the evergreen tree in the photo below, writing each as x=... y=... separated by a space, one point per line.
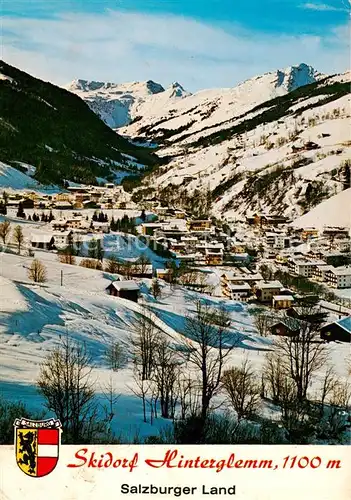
x=92 y=249
x=95 y=217
x=20 y=212
x=99 y=251
x=3 y=208
x=143 y=215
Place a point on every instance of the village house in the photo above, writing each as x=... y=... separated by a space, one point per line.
x=163 y=274
x=339 y=277
x=282 y=301
x=61 y=239
x=44 y=241
x=240 y=291
x=101 y=227
x=319 y=272
x=308 y=233
x=63 y=205
x=74 y=222
x=213 y=258
x=338 y=330
x=265 y=291
x=59 y=225
x=124 y=289
x=285 y=329
x=149 y=228
x=199 y=225
x=304 y=267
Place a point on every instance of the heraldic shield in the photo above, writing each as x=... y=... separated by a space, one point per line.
x=37 y=444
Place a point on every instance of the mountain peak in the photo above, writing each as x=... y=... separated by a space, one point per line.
x=177 y=90
x=154 y=87
x=84 y=85
x=294 y=77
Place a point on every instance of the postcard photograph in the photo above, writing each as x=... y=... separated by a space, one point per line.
x=175 y=239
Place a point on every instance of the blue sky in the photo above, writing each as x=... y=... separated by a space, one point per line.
x=200 y=43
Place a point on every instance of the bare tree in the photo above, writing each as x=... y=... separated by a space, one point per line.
x=261 y=322
x=18 y=237
x=141 y=388
x=242 y=390
x=111 y=398
x=66 y=257
x=166 y=374
x=115 y=356
x=5 y=229
x=91 y=264
x=66 y=385
x=113 y=265
x=328 y=386
x=303 y=354
x=37 y=272
x=156 y=289
x=274 y=376
x=143 y=343
x=189 y=392
x=206 y=345
x=142 y=264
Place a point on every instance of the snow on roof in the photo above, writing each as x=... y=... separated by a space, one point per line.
x=341 y=271
x=240 y=287
x=270 y=284
x=345 y=323
x=125 y=285
x=283 y=297
x=41 y=238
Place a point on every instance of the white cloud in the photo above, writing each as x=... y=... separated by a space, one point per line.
x=323 y=7
x=119 y=46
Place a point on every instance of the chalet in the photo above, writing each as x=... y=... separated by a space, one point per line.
x=339 y=330
x=240 y=292
x=304 y=267
x=124 y=289
x=319 y=272
x=74 y=222
x=282 y=301
x=62 y=238
x=339 y=277
x=28 y=203
x=213 y=258
x=149 y=228
x=101 y=227
x=163 y=274
x=199 y=225
x=332 y=232
x=63 y=205
x=309 y=232
x=42 y=241
x=265 y=291
x=59 y=225
x=285 y=329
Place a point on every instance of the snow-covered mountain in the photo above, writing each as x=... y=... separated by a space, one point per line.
x=284 y=155
x=119 y=104
x=243 y=146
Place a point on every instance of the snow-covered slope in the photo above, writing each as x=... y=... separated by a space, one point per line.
x=118 y=104
x=285 y=155
x=333 y=212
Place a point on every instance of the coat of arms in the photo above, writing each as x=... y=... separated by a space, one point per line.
x=37 y=445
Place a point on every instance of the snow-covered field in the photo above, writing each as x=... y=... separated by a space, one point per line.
x=33 y=318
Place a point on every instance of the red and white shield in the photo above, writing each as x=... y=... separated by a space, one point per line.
x=37 y=445
x=48 y=451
